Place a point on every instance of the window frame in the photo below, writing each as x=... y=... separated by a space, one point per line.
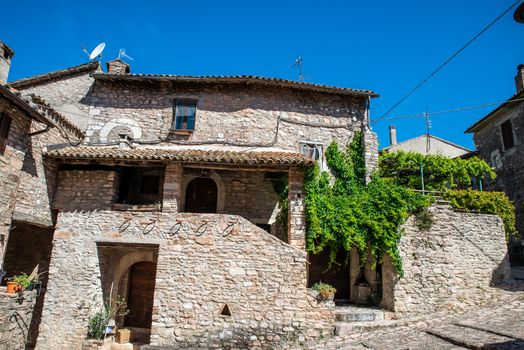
x=176 y=103
x=511 y=133
x=315 y=146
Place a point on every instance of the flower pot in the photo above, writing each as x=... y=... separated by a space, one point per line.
x=13 y=287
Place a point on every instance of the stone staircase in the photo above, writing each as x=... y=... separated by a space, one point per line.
x=358 y=319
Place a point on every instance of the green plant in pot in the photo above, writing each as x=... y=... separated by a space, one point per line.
x=22 y=280
x=325 y=291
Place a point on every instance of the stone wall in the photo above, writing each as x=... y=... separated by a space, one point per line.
x=204 y=262
x=68 y=95
x=86 y=190
x=11 y=162
x=461 y=252
x=37 y=179
x=16 y=313
x=241 y=115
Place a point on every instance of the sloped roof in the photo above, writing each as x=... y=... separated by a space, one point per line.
x=23 y=105
x=478 y=124
x=245 y=158
x=404 y=145
x=82 y=68
x=236 y=79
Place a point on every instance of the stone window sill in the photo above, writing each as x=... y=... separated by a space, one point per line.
x=181 y=131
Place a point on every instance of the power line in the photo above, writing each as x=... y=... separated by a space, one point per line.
x=403 y=98
x=459 y=109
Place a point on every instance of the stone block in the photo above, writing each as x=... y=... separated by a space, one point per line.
x=123 y=336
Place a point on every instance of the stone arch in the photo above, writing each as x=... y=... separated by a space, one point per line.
x=119 y=122
x=221 y=189
x=123 y=266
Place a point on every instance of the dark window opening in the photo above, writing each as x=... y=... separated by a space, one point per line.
x=150 y=184
x=265 y=227
x=225 y=311
x=185 y=112
x=140 y=185
x=507 y=134
x=5 y=126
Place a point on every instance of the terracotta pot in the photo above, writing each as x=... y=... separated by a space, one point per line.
x=13 y=287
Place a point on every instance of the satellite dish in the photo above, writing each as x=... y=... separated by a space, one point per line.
x=97 y=51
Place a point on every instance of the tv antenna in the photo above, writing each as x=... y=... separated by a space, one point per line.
x=298 y=62
x=428 y=126
x=96 y=53
x=122 y=54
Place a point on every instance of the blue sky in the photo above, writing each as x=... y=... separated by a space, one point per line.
x=385 y=46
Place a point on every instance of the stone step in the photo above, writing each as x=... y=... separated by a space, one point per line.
x=471 y=338
x=346 y=328
x=359 y=314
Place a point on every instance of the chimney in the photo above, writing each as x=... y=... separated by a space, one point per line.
x=118 y=66
x=392 y=135
x=6 y=54
x=519 y=78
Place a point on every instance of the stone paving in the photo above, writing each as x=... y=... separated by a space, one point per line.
x=495 y=322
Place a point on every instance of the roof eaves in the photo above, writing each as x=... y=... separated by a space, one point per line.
x=237 y=79
x=38 y=79
x=23 y=105
x=476 y=126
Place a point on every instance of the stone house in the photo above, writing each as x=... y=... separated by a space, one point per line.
x=425 y=144
x=498 y=138
x=165 y=194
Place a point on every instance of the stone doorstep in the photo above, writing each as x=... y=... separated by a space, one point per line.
x=347 y=328
x=361 y=314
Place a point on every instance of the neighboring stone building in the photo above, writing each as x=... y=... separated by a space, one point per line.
x=27 y=124
x=425 y=144
x=498 y=138
x=165 y=195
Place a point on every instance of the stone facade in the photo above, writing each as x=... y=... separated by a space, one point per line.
x=16 y=311
x=204 y=262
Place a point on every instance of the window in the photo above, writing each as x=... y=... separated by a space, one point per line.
x=5 y=125
x=185 y=111
x=313 y=151
x=507 y=134
x=150 y=184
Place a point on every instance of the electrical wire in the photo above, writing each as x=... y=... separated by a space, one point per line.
x=403 y=98
x=459 y=109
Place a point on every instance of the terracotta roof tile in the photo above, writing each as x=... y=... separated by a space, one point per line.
x=245 y=158
x=238 y=79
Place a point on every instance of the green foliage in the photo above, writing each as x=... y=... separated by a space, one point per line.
x=440 y=172
x=279 y=181
x=348 y=214
x=97 y=325
x=100 y=320
x=23 y=280
x=486 y=203
x=424 y=219
x=324 y=289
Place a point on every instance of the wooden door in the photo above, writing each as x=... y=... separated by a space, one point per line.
x=140 y=294
x=201 y=196
x=336 y=275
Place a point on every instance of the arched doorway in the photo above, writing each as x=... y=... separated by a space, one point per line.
x=141 y=288
x=201 y=196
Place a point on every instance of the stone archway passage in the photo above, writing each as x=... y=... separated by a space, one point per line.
x=140 y=294
x=201 y=196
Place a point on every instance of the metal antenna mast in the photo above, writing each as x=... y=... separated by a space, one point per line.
x=428 y=126
x=298 y=62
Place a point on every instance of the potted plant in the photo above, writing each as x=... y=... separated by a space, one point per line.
x=22 y=280
x=12 y=286
x=325 y=291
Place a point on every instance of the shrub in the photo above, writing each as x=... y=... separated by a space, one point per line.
x=325 y=290
x=97 y=325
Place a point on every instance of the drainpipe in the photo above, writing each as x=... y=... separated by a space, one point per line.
x=38 y=132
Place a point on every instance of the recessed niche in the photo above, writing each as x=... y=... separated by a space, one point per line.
x=225 y=311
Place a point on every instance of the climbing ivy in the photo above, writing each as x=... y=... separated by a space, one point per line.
x=440 y=172
x=346 y=213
